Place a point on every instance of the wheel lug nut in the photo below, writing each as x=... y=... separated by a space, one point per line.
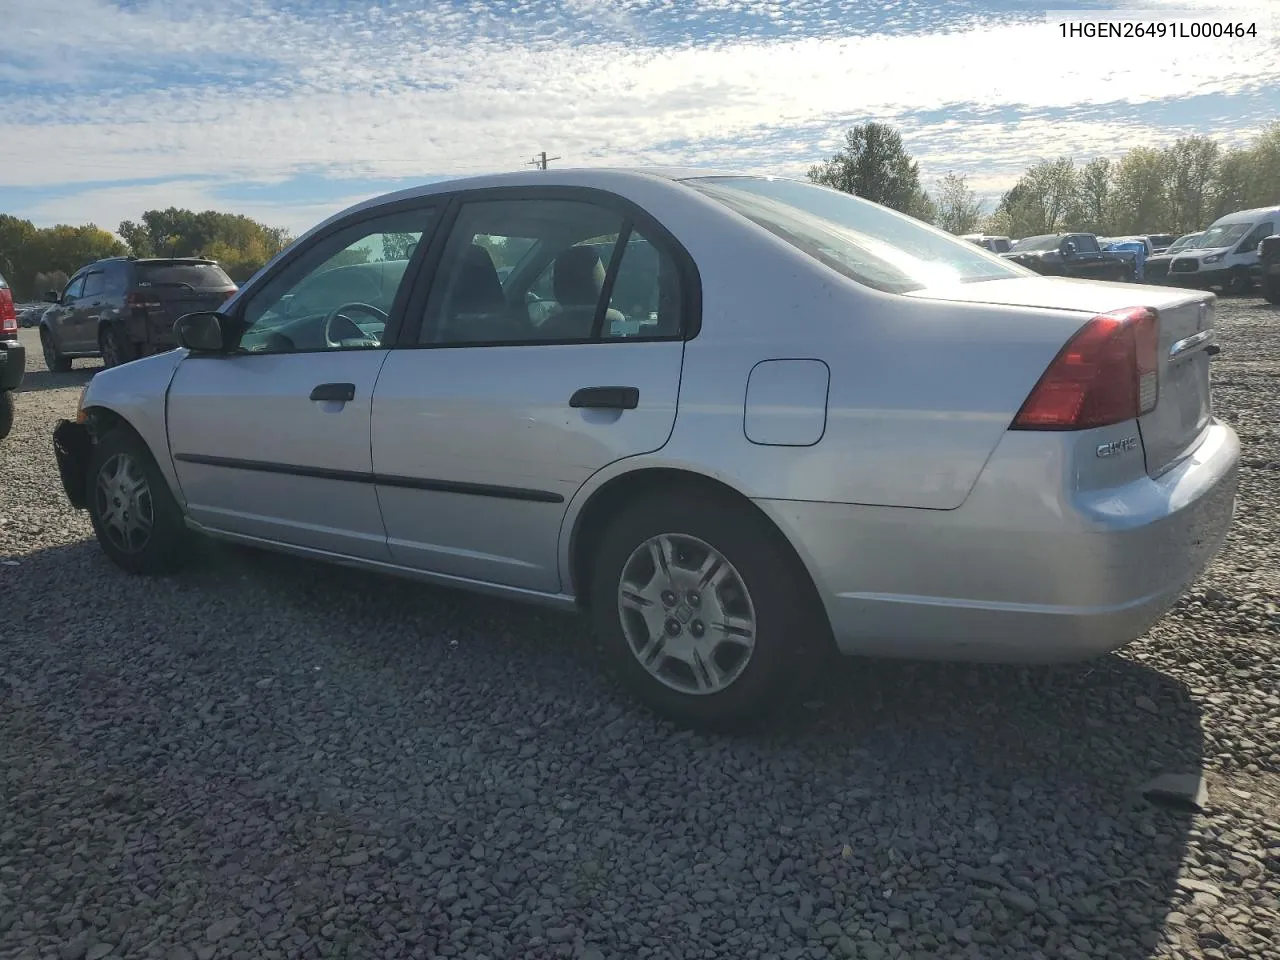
x=673 y=627
x=668 y=598
x=694 y=598
x=697 y=628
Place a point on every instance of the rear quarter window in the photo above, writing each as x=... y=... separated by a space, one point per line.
x=200 y=276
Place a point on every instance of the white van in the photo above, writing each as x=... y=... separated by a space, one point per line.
x=1227 y=253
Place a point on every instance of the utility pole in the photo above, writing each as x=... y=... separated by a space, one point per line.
x=540 y=161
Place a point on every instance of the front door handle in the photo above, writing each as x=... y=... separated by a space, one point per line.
x=611 y=398
x=335 y=392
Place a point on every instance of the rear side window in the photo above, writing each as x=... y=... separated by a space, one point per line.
x=197 y=276
x=94 y=284
x=1085 y=243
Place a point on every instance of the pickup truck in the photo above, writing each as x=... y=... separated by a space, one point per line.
x=1070 y=255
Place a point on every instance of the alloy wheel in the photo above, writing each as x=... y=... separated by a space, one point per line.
x=686 y=614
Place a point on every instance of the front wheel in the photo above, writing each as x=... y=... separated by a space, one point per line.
x=135 y=516
x=1239 y=283
x=53 y=358
x=701 y=608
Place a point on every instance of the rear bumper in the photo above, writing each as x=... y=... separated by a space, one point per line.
x=1017 y=574
x=13 y=363
x=71 y=448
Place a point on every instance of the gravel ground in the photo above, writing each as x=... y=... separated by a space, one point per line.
x=270 y=758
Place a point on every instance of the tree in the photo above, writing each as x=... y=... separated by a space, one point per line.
x=1140 y=192
x=242 y=245
x=1192 y=163
x=398 y=246
x=959 y=210
x=1093 y=195
x=1043 y=200
x=875 y=165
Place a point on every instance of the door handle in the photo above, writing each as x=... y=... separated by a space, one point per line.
x=335 y=392
x=612 y=398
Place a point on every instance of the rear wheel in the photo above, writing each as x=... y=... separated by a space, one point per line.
x=135 y=516
x=701 y=609
x=53 y=358
x=116 y=346
x=1272 y=290
x=6 y=412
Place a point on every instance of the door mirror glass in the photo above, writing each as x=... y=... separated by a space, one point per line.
x=201 y=332
x=51 y=296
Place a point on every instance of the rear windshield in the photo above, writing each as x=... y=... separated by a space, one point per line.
x=1002 y=245
x=859 y=239
x=198 y=276
x=1223 y=236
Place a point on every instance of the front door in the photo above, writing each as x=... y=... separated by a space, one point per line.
x=521 y=388
x=89 y=309
x=62 y=319
x=272 y=442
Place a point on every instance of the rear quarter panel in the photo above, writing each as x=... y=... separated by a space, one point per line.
x=920 y=391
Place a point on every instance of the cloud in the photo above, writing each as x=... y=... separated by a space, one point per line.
x=269 y=90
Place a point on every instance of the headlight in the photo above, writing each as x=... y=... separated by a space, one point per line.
x=80 y=414
x=1216 y=258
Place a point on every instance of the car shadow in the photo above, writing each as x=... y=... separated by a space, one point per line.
x=35 y=381
x=959 y=810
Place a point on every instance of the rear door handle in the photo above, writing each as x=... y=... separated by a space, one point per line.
x=335 y=392
x=612 y=398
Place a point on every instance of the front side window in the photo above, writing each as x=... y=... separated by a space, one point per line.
x=539 y=270
x=74 y=290
x=1259 y=233
x=863 y=241
x=339 y=293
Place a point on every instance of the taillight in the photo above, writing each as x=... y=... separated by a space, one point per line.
x=8 y=315
x=1107 y=373
x=231 y=293
x=141 y=300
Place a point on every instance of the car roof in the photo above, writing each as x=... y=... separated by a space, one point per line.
x=1246 y=216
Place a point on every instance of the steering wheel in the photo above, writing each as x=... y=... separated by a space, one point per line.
x=351 y=327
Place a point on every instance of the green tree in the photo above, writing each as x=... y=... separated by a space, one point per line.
x=241 y=244
x=874 y=164
x=1140 y=192
x=959 y=210
x=1093 y=196
x=1044 y=200
x=1193 y=163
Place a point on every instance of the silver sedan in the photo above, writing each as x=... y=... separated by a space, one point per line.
x=738 y=419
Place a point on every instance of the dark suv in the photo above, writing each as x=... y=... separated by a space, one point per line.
x=124 y=308
x=13 y=358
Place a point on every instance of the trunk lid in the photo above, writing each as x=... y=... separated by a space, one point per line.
x=1183 y=408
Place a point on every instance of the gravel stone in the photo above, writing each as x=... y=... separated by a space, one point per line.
x=433 y=774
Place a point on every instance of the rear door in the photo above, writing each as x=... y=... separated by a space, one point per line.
x=510 y=393
x=89 y=309
x=167 y=289
x=272 y=442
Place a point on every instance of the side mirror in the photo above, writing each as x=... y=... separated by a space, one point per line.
x=51 y=296
x=201 y=332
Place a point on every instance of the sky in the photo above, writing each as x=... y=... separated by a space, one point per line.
x=289 y=110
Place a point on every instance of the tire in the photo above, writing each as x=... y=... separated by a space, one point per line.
x=115 y=345
x=6 y=412
x=761 y=582
x=1239 y=283
x=53 y=358
x=1271 y=290
x=160 y=549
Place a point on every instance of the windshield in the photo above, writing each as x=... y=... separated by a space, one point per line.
x=1036 y=243
x=1183 y=242
x=1223 y=236
x=199 y=276
x=859 y=239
